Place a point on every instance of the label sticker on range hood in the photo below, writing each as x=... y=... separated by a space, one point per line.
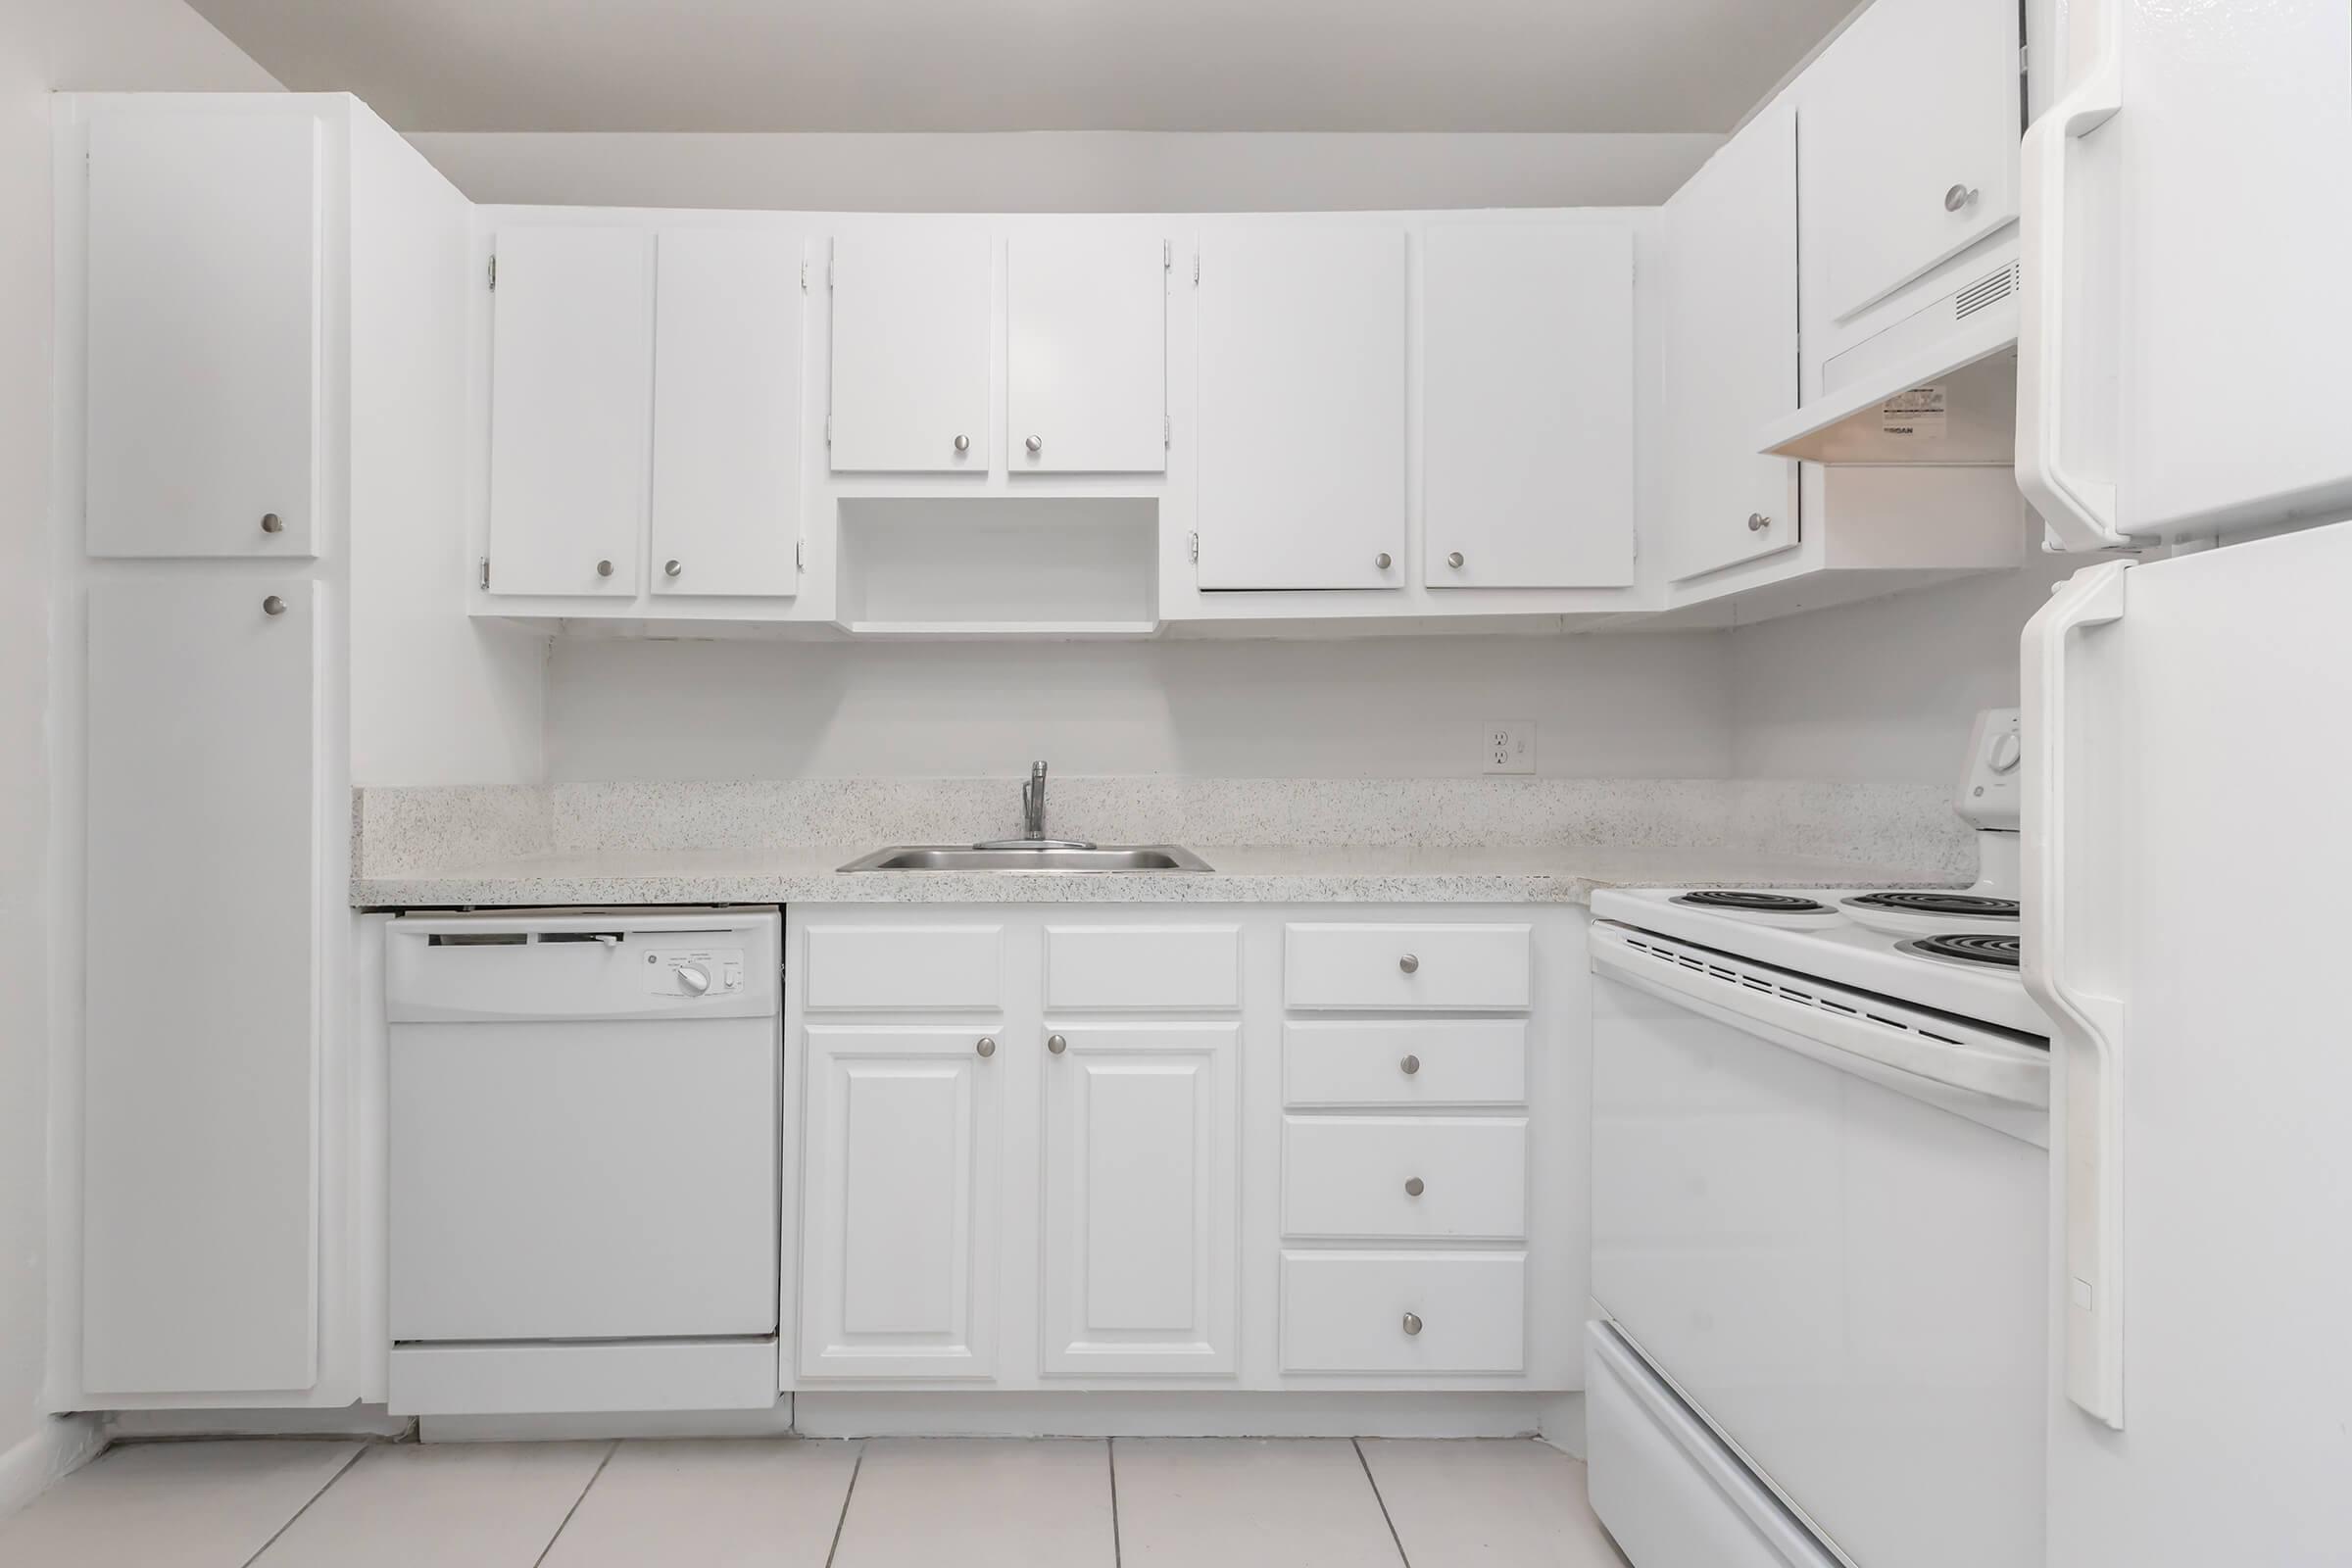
x=1916 y=413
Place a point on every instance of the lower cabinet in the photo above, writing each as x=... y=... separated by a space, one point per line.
x=1141 y=1148
x=904 y=1153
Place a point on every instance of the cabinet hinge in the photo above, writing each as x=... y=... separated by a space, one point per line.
x=1168 y=429
x=803 y=275
x=1193 y=544
x=1168 y=255
x=486 y=571
x=828 y=429
x=493 y=270
x=799 y=557
x=829 y=261
x=1196 y=269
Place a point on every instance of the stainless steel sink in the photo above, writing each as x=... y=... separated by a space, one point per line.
x=1026 y=857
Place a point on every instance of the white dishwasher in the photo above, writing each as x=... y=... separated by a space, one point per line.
x=583 y=1149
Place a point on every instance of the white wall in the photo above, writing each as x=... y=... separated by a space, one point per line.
x=1113 y=171
x=1622 y=707
x=1884 y=690
x=45 y=45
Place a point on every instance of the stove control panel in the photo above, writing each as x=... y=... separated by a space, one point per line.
x=1992 y=791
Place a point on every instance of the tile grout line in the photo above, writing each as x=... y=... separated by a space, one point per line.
x=358 y=1453
x=1111 y=1456
x=1373 y=1482
x=610 y=1450
x=848 y=1492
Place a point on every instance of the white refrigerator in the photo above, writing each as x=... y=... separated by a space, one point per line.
x=2188 y=717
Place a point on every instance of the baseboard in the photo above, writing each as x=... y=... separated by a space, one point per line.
x=57 y=1448
x=342 y=1421
x=1562 y=1422
x=775 y=1421
x=1167 y=1415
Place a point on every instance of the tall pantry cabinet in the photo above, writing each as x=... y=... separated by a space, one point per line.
x=262 y=303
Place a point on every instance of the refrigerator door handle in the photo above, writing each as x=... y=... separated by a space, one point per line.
x=2079 y=513
x=2089 y=1024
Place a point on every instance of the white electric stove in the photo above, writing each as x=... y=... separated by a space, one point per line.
x=1820 y=1135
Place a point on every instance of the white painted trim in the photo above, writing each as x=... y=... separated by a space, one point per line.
x=774 y=1421
x=1167 y=1415
x=57 y=1448
x=293 y=1421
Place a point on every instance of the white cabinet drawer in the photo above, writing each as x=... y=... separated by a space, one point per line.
x=1404 y=1061
x=1454 y=1178
x=1109 y=968
x=1470 y=967
x=1404 y=1312
x=905 y=969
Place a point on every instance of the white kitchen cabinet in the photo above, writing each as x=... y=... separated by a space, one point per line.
x=1303 y=406
x=204 y=274
x=911 y=315
x=1911 y=125
x=1140 y=1250
x=727 y=368
x=1527 y=405
x=1730 y=350
x=903 y=1162
x=1086 y=334
x=200 y=1070
x=570 y=409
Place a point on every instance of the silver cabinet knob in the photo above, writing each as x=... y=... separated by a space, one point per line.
x=964 y=443
x=1412 y=1322
x=1056 y=1044
x=1382 y=560
x=1035 y=444
x=1757 y=522
x=1409 y=965
x=1455 y=560
x=273 y=606
x=987 y=1046
x=1409 y=1065
x=271 y=522
x=1957 y=197
x=1413 y=1187
x=672 y=568
x=604 y=568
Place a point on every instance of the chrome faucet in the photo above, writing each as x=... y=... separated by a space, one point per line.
x=1033 y=820
x=1033 y=803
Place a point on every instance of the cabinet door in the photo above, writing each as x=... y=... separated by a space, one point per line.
x=570 y=409
x=1912 y=120
x=727 y=359
x=1141 y=1165
x=1527 y=353
x=1086 y=335
x=903 y=1163
x=1302 y=407
x=203 y=300
x=1731 y=351
x=199 y=1236
x=911 y=315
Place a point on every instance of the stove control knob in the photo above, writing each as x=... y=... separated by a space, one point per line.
x=692 y=978
x=2005 y=755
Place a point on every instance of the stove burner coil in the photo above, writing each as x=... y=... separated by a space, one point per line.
x=1984 y=951
x=1752 y=903
x=1960 y=905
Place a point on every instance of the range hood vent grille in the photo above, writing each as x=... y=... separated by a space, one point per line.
x=1990 y=290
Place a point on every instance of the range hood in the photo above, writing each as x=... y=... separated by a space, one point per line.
x=1936 y=388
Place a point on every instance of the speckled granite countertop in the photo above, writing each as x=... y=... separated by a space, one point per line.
x=1241 y=874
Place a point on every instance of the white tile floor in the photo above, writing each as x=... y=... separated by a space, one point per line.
x=785 y=1504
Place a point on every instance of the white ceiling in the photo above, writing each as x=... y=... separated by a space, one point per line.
x=1037 y=65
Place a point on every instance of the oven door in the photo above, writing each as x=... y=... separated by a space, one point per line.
x=1835 y=1263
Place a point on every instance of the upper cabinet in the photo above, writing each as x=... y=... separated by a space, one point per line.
x=1086 y=361
x=727 y=359
x=1911 y=143
x=204 y=270
x=1527 y=354
x=1731 y=351
x=1303 y=406
x=571 y=406
x=911 y=310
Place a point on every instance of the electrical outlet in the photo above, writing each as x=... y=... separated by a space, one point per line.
x=1507 y=745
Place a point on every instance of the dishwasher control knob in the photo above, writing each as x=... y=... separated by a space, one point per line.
x=692 y=978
